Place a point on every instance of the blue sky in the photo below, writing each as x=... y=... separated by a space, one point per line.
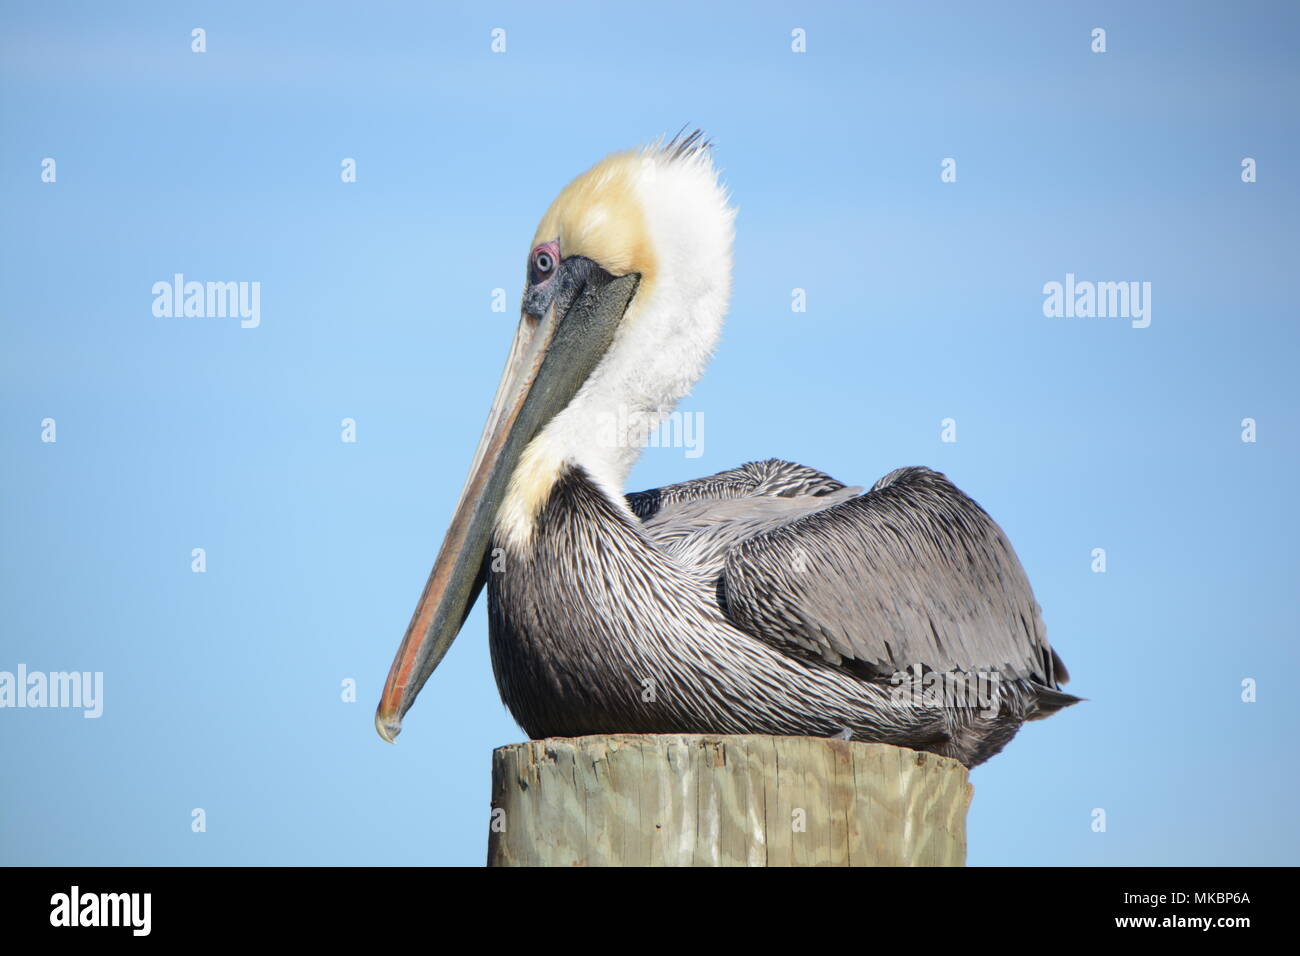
x=222 y=689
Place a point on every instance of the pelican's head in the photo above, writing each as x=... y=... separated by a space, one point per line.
x=627 y=284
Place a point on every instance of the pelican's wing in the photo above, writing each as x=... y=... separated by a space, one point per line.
x=911 y=574
x=773 y=478
x=698 y=522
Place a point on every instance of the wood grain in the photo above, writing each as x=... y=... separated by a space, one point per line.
x=703 y=800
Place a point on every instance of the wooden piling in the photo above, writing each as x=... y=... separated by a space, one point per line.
x=705 y=800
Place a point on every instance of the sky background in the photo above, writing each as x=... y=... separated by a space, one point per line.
x=222 y=690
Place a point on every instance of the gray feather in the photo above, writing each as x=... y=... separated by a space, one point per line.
x=913 y=573
x=694 y=616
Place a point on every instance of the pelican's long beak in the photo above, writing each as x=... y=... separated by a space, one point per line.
x=563 y=333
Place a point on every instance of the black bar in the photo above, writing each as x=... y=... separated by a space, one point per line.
x=335 y=904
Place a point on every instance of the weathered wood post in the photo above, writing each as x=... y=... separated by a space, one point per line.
x=705 y=800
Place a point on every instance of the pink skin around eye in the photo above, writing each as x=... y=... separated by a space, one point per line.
x=553 y=249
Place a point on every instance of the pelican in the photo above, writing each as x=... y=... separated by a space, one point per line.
x=768 y=599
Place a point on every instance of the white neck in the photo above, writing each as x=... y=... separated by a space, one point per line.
x=657 y=357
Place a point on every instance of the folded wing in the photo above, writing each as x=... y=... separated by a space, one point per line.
x=911 y=574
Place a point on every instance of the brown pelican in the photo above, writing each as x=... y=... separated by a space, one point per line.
x=767 y=599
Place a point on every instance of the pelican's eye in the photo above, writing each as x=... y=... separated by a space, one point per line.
x=545 y=259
